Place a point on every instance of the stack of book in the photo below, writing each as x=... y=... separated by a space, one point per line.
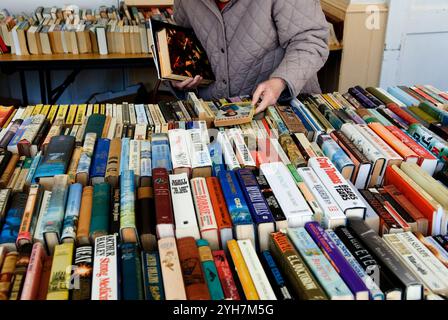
x=104 y=30
x=335 y=196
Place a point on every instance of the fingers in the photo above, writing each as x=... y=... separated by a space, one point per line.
x=257 y=94
x=183 y=84
x=196 y=81
x=266 y=102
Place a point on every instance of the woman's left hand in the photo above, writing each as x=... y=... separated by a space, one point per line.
x=268 y=92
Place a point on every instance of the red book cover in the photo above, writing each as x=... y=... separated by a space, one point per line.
x=402 y=114
x=162 y=197
x=225 y=276
x=33 y=274
x=45 y=278
x=424 y=95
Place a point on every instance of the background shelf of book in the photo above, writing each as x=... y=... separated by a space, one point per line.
x=168 y=198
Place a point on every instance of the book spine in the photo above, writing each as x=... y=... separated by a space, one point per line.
x=230 y=158
x=55 y=213
x=225 y=275
x=105 y=269
x=152 y=276
x=58 y=288
x=27 y=225
x=100 y=157
x=99 y=223
x=131 y=271
x=173 y=283
x=82 y=273
x=145 y=159
x=127 y=207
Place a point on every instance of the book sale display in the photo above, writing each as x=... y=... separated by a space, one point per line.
x=330 y=197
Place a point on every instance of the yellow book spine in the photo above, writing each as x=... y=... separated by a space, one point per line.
x=52 y=113
x=103 y=109
x=28 y=112
x=62 y=112
x=331 y=101
x=79 y=119
x=45 y=109
x=243 y=272
x=58 y=287
x=71 y=114
x=96 y=108
x=10 y=119
x=37 y=109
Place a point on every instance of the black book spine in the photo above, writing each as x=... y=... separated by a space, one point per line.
x=401 y=211
x=82 y=276
x=442 y=241
x=43 y=131
x=5 y=156
x=271 y=200
x=275 y=276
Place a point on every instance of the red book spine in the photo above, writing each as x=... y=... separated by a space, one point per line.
x=402 y=114
x=33 y=274
x=162 y=197
x=225 y=276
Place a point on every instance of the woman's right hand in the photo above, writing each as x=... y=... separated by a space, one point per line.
x=188 y=84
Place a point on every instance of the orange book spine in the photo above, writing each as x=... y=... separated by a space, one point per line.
x=218 y=203
x=24 y=236
x=85 y=215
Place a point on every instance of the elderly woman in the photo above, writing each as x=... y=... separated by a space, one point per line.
x=270 y=49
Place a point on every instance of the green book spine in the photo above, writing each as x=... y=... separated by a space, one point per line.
x=99 y=224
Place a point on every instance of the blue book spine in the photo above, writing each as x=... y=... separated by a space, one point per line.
x=332 y=150
x=70 y=224
x=32 y=171
x=210 y=271
x=145 y=159
x=18 y=136
x=99 y=161
x=152 y=276
x=127 y=200
x=161 y=155
x=55 y=213
x=238 y=209
x=279 y=282
x=322 y=269
x=254 y=198
x=131 y=272
x=215 y=151
x=13 y=219
x=295 y=105
x=124 y=157
x=408 y=100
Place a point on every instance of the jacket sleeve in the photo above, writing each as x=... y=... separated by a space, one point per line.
x=180 y=15
x=303 y=33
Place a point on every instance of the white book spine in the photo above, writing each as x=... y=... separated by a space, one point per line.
x=132 y=117
x=183 y=207
x=338 y=187
x=134 y=156
x=105 y=271
x=291 y=201
x=39 y=232
x=89 y=110
x=199 y=153
x=119 y=114
x=333 y=215
x=140 y=131
x=141 y=114
x=229 y=156
x=198 y=108
x=33 y=128
x=184 y=111
x=155 y=118
x=242 y=151
x=180 y=155
x=145 y=159
x=385 y=149
x=112 y=127
x=259 y=278
x=279 y=150
x=148 y=116
x=109 y=109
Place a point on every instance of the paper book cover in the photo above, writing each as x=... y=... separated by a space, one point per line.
x=163 y=203
x=173 y=283
x=242 y=151
x=33 y=274
x=105 y=281
x=160 y=149
x=337 y=155
x=134 y=157
x=336 y=258
x=99 y=161
x=230 y=158
x=29 y=218
x=230 y=114
x=210 y=271
x=113 y=162
x=430 y=141
x=183 y=207
x=225 y=275
x=199 y=153
x=145 y=159
x=152 y=276
x=99 y=221
x=11 y=226
x=59 y=285
x=124 y=154
x=292 y=202
x=322 y=269
x=82 y=273
x=275 y=276
x=131 y=271
x=180 y=153
x=216 y=157
x=127 y=207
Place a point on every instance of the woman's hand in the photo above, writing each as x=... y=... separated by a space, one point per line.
x=188 y=84
x=268 y=92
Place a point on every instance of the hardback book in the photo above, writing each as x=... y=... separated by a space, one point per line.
x=99 y=161
x=38 y=235
x=56 y=159
x=228 y=153
x=134 y=158
x=411 y=286
x=223 y=219
x=414 y=262
x=101 y=205
x=242 y=151
x=163 y=205
x=178 y=54
x=210 y=271
x=435 y=247
x=105 y=276
x=82 y=273
x=275 y=276
x=328 y=277
x=337 y=155
x=216 y=156
x=19 y=275
x=378 y=275
x=55 y=130
x=15 y=173
x=180 y=142
x=225 y=275
x=235 y=113
x=45 y=278
x=406 y=220
x=13 y=144
x=261 y=214
x=183 y=207
x=338 y=187
x=432 y=142
x=145 y=163
x=292 y=202
x=9 y=170
x=20 y=184
x=113 y=162
x=33 y=274
x=195 y=283
x=201 y=162
x=332 y=214
x=291 y=120
x=5 y=195
x=71 y=218
x=173 y=282
x=95 y=124
x=7 y=274
x=29 y=219
x=59 y=285
x=131 y=271
x=160 y=149
x=13 y=218
x=32 y=171
x=353 y=281
x=244 y=276
x=152 y=276
x=10 y=133
x=145 y=216
x=261 y=282
x=85 y=160
x=25 y=145
x=85 y=215
x=291 y=149
x=271 y=200
x=242 y=222
x=375 y=292
x=114 y=221
x=124 y=155
x=441 y=241
x=5 y=157
x=128 y=229
x=54 y=216
x=303 y=284
x=204 y=211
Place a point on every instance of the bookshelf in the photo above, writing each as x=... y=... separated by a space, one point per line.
x=71 y=57
x=361 y=52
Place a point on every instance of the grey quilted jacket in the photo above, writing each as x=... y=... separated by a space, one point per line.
x=251 y=41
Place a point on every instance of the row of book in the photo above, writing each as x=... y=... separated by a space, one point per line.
x=218 y=184
x=55 y=30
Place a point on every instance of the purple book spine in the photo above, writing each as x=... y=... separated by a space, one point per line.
x=336 y=258
x=366 y=102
